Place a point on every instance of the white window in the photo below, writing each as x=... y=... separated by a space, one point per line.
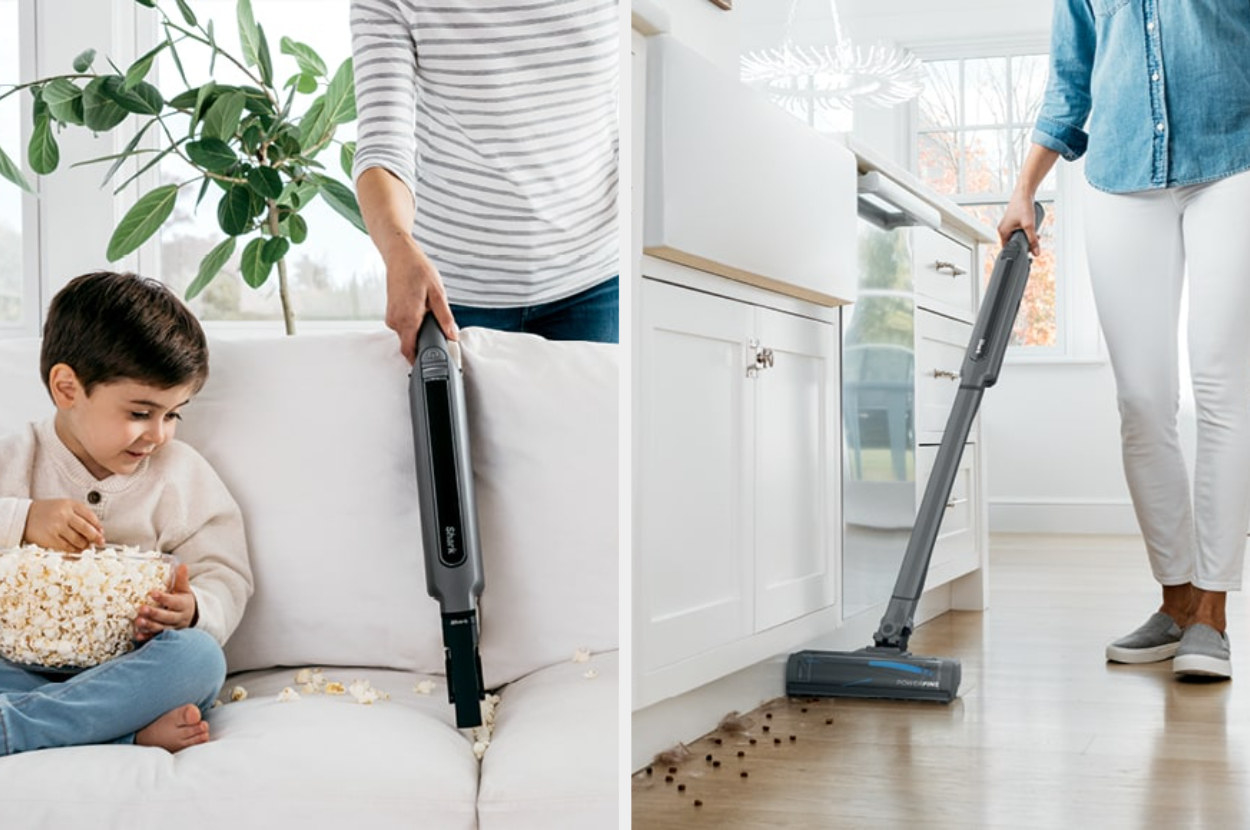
x=336 y=274
x=972 y=132
x=19 y=298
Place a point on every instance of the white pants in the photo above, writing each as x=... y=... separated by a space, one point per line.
x=1139 y=245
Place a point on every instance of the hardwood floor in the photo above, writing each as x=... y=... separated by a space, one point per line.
x=1044 y=734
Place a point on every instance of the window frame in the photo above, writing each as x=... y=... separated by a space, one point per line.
x=1078 y=338
x=30 y=322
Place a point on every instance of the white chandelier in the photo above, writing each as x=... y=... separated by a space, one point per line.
x=803 y=78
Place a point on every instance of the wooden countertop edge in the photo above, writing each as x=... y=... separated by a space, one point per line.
x=739 y=275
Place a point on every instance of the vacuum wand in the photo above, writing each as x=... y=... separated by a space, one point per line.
x=453 y=558
x=887 y=669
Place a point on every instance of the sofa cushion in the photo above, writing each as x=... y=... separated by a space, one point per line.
x=319 y=761
x=312 y=434
x=553 y=761
x=543 y=426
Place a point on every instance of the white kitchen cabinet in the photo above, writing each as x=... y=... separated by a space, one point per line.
x=737 y=478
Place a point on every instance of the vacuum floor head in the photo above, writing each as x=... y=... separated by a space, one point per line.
x=872 y=673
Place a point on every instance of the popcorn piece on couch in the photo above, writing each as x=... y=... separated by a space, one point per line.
x=287 y=695
x=364 y=692
x=582 y=655
x=335 y=688
x=424 y=687
x=238 y=693
x=479 y=748
x=590 y=674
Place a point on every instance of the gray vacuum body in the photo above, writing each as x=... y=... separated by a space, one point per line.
x=887 y=669
x=453 y=558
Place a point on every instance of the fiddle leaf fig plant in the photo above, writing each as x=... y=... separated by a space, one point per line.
x=242 y=143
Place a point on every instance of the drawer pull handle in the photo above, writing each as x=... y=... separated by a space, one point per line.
x=950 y=267
x=945 y=373
x=953 y=503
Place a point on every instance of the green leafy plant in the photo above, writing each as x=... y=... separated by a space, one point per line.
x=244 y=140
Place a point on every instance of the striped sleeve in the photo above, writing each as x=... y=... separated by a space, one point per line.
x=384 y=58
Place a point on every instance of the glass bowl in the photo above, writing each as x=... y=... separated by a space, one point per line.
x=75 y=610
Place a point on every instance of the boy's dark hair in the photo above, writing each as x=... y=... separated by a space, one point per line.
x=108 y=326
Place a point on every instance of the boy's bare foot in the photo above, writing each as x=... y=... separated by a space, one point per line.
x=176 y=729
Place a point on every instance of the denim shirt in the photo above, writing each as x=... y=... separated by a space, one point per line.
x=1164 y=84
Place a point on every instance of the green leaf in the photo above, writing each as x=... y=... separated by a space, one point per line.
x=209 y=266
x=64 y=100
x=251 y=138
x=222 y=119
x=42 y=153
x=266 y=181
x=125 y=154
x=140 y=68
x=203 y=100
x=212 y=154
x=249 y=35
x=173 y=51
x=296 y=228
x=151 y=4
x=145 y=168
x=234 y=211
x=11 y=172
x=187 y=14
x=185 y=100
x=262 y=57
x=310 y=63
x=203 y=189
x=303 y=83
x=255 y=268
x=144 y=99
x=313 y=124
x=142 y=220
x=341 y=95
x=100 y=111
x=339 y=197
x=83 y=62
x=347 y=155
x=275 y=249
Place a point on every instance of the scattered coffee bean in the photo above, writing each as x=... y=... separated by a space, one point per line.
x=698 y=803
x=776 y=740
x=793 y=738
x=668 y=779
x=648 y=770
x=709 y=757
x=681 y=788
x=741 y=754
x=672 y=769
x=743 y=773
x=716 y=763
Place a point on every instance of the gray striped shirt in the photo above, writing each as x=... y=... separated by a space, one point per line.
x=501 y=117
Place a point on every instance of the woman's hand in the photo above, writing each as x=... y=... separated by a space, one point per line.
x=414 y=287
x=1019 y=214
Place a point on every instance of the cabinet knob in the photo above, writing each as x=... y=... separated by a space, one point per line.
x=764 y=358
x=949 y=267
x=945 y=373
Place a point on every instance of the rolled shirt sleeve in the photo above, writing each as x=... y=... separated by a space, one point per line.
x=384 y=58
x=1065 y=108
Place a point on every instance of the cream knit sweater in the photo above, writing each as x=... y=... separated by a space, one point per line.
x=174 y=502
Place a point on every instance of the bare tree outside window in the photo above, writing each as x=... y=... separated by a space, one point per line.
x=973 y=132
x=11 y=282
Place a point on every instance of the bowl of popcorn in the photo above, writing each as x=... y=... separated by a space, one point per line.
x=75 y=610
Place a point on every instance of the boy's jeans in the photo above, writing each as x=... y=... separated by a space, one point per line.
x=110 y=702
x=588 y=315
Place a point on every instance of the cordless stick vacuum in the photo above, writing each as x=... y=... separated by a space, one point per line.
x=887 y=669
x=453 y=560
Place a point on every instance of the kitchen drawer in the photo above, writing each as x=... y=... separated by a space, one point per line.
x=955 y=551
x=943 y=271
x=940 y=346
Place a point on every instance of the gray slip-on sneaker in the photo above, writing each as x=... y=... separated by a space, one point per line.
x=1203 y=652
x=1156 y=639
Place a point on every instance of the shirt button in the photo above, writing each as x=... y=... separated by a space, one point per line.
x=1159 y=127
x=1154 y=77
x=94 y=497
x=1150 y=27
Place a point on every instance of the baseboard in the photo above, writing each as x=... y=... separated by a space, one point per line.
x=1109 y=516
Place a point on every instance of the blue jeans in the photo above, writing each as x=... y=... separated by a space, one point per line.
x=110 y=702
x=588 y=315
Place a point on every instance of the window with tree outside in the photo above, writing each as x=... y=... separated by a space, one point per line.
x=973 y=130
x=335 y=274
x=11 y=278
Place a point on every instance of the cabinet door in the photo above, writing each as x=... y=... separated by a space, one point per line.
x=797 y=472
x=693 y=527
x=955 y=549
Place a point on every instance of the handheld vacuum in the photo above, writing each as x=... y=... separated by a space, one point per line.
x=887 y=669
x=453 y=559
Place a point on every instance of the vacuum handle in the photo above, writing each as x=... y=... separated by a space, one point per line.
x=994 y=325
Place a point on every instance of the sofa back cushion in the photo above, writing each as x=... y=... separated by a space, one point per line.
x=312 y=435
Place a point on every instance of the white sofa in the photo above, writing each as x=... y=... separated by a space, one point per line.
x=312 y=435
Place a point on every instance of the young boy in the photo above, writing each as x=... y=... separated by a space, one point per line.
x=121 y=356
